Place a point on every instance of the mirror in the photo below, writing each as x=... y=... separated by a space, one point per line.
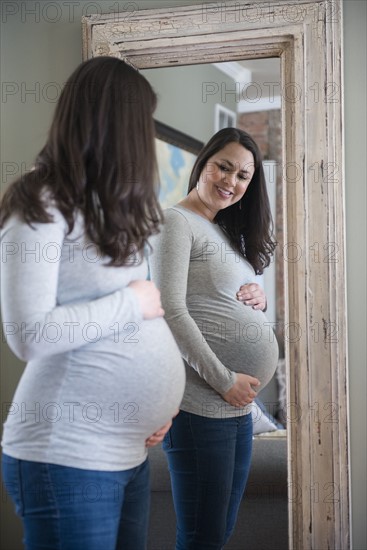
x=306 y=36
x=194 y=102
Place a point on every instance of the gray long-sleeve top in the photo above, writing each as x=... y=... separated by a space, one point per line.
x=99 y=379
x=199 y=273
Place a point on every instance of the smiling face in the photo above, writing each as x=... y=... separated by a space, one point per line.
x=224 y=179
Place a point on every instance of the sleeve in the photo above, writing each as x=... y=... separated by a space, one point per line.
x=34 y=324
x=169 y=267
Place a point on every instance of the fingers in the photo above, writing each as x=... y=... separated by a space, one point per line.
x=252 y=295
x=246 y=380
x=163 y=430
x=152 y=441
x=248 y=294
x=149 y=298
x=240 y=403
x=253 y=381
x=250 y=287
x=239 y=398
x=158 y=436
x=155 y=439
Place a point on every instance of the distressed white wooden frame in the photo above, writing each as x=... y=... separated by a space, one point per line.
x=307 y=36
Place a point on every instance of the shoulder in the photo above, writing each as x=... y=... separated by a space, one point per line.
x=15 y=224
x=176 y=220
x=175 y=213
x=174 y=232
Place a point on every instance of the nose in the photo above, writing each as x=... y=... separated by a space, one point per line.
x=231 y=179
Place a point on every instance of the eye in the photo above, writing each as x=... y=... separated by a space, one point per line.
x=223 y=167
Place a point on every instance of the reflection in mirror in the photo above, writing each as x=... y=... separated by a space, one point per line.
x=195 y=102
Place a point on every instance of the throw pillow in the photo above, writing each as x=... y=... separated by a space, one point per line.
x=282 y=392
x=262 y=420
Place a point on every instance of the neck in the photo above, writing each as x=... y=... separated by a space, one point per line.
x=194 y=202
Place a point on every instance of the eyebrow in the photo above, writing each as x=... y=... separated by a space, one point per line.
x=245 y=171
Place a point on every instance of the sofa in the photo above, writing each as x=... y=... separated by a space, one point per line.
x=263 y=516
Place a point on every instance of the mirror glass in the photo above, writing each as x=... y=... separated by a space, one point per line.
x=308 y=40
x=193 y=103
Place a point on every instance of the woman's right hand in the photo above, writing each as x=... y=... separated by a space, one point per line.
x=242 y=392
x=149 y=298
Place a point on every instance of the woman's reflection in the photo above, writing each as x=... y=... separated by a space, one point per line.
x=205 y=259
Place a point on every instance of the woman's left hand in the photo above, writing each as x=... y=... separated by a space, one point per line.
x=158 y=436
x=252 y=295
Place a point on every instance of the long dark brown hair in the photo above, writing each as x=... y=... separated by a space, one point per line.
x=99 y=159
x=247 y=223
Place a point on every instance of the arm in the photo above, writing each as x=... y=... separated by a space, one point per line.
x=34 y=324
x=169 y=265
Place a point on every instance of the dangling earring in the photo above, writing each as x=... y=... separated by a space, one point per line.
x=197 y=186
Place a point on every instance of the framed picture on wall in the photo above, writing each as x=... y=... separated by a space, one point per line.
x=176 y=155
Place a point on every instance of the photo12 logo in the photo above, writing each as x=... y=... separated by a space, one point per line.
x=266 y=12
x=67 y=11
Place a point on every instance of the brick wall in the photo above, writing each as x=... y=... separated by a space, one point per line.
x=265 y=127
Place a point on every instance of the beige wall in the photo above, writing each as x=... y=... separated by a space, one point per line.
x=38 y=52
x=355 y=63
x=187 y=96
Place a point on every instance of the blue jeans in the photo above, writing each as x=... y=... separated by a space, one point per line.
x=74 y=509
x=209 y=460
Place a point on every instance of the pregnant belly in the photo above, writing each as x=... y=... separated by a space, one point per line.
x=242 y=339
x=95 y=406
x=136 y=378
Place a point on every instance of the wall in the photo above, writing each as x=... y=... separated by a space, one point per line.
x=187 y=96
x=36 y=52
x=355 y=63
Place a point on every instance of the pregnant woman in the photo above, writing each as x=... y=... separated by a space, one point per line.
x=104 y=375
x=204 y=262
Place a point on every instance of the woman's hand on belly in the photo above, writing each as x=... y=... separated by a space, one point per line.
x=252 y=295
x=158 y=436
x=149 y=298
x=242 y=392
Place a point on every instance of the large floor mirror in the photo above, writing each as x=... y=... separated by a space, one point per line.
x=194 y=102
x=304 y=38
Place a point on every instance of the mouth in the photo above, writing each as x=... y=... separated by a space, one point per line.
x=224 y=193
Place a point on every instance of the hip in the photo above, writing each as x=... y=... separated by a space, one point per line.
x=189 y=429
